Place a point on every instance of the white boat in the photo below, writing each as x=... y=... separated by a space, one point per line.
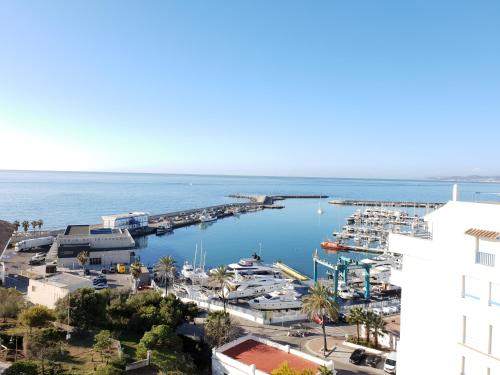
x=164 y=228
x=207 y=218
x=187 y=270
x=344 y=292
x=253 y=266
x=280 y=300
x=252 y=286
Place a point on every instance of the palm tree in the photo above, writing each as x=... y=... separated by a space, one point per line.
x=320 y=302
x=40 y=224
x=17 y=224
x=220 y=276
x=136 y=270
x=165 y=267
x=34 y=224
x=83 y=258
x=368 y=321
x=356 y=316
x=378 y=326
x=26 y=225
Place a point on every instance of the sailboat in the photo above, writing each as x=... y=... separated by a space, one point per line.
x=320 y=210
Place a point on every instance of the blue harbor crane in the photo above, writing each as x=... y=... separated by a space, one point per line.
x=344 y=265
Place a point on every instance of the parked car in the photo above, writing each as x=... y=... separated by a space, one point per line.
x=99 y=279
x=112 y=269
x=358 y=357
x=372 y=360
x=86 y=272
x=99 y=286
x=104 y=271
x=390 y=363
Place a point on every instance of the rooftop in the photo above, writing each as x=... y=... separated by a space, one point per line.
x=64 y=279
x=485 y=234
x=123 y=216
x=267 y=358
x=77 y=230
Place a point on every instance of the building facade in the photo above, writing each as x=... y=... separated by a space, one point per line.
x=105 y=246
x=450 y=303
x=131 y=221
x=48 y=290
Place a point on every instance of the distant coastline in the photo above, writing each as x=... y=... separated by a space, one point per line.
x=471 y=178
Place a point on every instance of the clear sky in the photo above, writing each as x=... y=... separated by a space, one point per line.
x=309 y=88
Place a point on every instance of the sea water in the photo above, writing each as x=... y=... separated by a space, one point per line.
x=290 y=235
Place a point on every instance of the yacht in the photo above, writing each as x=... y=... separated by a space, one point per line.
x=252 y=286
x=164 y=228
x=344 y=292
x=252 y=266
x=279 y=300
x=207 y=218
x=187 y=270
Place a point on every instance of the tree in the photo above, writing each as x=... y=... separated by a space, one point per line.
x=174 y=312
x=219 y=329
x=83 y=258
x=34 y=224
x=22 y=368
x=356 y=316
x=87 y=309
x=12 y=302
x=164 y=346
x=165 y=267
x=102 y=342
x=44 y=344
x=368 y=321
x=17 y=224
x=285 y=369
x=378 y=326
x=36 y=316
x=26 y=225
x=320 y=303
x=40 y=224
x=136 y=271
x=220 y=276
x=323 y=370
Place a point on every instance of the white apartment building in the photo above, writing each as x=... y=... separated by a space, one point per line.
x=450 y=304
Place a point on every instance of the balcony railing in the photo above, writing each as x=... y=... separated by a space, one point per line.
x=486 y=259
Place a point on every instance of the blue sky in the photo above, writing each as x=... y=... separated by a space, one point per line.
x=333 y=88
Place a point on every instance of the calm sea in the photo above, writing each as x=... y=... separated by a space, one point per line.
x=290 y=235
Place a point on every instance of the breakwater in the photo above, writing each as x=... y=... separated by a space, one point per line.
x=373 y=203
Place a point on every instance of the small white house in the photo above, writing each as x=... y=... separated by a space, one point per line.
x=253 y=355
x=130 y=221
x=46 y=291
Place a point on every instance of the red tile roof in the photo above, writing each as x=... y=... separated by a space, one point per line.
x=266 y=358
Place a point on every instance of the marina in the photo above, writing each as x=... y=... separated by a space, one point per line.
x=372 y=203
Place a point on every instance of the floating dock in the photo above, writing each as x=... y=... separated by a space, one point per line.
x=370 y=203
x=291 y=272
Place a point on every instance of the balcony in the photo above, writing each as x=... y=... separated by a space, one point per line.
x=485 y=259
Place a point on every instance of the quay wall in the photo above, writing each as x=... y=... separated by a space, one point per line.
x=370 y=203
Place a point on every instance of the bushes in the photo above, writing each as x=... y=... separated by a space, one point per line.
x=22 y=368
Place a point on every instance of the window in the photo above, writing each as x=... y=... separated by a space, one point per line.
x=471 y=287
x=94 y=261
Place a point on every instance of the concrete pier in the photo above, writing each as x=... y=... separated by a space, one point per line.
x=370 y=203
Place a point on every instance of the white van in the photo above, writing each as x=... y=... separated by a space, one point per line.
x=390 y=363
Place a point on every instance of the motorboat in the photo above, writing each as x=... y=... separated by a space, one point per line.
x=334 y=246
x=205 y=217
x=187 y=270
x=252 y=266
x=164 y=228
x=252 y=286
x=279 y=300
x=344 y=292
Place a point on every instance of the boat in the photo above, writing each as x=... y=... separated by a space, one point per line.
x=252 y=286
x=164 y=228
x=252 y=266
x=187 y=270
x=344 y=292
x=334 y=246
x=205 y=217
x=279 y=300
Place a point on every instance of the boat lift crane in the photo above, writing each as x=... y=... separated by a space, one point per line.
x=344 y=265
